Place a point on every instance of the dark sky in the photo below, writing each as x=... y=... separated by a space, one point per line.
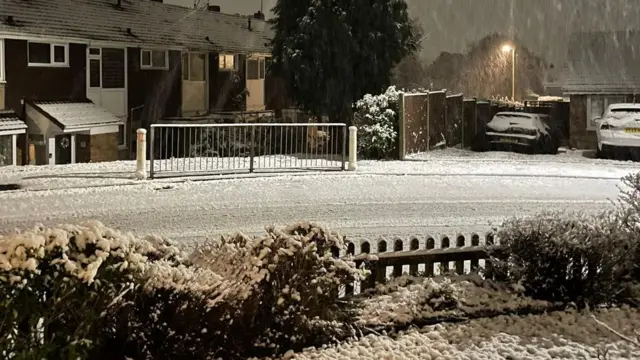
x=451 y=25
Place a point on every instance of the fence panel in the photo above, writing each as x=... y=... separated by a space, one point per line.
x=415 y=123
x=437 y=119
x=197 y=149
x=455 y=124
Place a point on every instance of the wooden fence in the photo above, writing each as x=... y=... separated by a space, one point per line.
x=435 y=119
x=415 y=256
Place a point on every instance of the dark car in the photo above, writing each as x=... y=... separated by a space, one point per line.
x=521 y=131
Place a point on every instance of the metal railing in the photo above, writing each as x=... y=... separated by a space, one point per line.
x=197 y=149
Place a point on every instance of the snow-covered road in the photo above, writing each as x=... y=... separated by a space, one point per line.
x=358 y=205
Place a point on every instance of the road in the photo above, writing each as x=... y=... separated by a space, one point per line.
x=359 y=206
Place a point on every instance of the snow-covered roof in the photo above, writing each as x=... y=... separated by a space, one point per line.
x=69 y=115
x=603 y=63
x=9 y=121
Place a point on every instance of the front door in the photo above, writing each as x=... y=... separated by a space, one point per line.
x=194 y=83
x=83 y=148
x=106 y=79
x=63 y=149
x=255 y=75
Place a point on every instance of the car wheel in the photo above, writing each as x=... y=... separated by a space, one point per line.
x=604 y=153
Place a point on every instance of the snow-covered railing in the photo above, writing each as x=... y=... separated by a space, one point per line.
x=421 y=257
x=196 y=149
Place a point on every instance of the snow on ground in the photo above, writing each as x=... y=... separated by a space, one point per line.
x=449 y=162
x=566 y=335
x=451 y=191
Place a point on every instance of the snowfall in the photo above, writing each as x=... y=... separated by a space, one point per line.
x=441 y=192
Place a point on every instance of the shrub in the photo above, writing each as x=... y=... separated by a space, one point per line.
x=58 y=285
x=295 y=281
x=573 y=257
x=377 y=120
x=92 y=292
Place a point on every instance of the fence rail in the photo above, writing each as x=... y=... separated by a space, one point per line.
x=429 y=256
x=197 y=149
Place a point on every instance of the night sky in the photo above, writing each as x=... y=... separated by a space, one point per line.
x=451 y=25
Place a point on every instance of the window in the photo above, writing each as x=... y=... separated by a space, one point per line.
x=113 y=68
x=193 y=66
x=154 y=59
x=255 y=69
x=597 y=105
x=227 y=62
x=45 y=54
x=6 y=150
x=122 y=137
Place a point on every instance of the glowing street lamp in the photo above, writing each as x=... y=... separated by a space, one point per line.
x=506 y=48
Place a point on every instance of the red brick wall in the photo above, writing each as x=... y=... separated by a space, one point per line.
x=104 y=147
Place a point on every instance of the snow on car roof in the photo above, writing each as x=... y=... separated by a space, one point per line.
x=624 y=106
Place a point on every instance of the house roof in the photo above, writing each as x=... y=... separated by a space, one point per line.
x=151 y=23
x=70 y=115
x=9 y=121
x=603 y=63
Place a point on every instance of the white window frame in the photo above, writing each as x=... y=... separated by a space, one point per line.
x=52 y=46
x=225 y=68
x=608 y=100
x=123 y=145
x=2 y=64
x=151 y=66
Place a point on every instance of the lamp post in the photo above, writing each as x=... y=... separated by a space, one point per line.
x=510 y=49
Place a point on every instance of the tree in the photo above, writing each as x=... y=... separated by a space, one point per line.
x=333 y=52
x=485 y=71
x=410 y=73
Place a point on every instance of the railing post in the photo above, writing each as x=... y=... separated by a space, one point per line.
x=141 y=154
x=252 y=148
x=152 y=151
x=344 y=148
x=353 y=148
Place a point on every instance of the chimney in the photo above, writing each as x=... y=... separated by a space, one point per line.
x=259 y=15
x=249 y=25
x=214 y=8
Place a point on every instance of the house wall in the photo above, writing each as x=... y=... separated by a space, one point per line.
x=226 y=88
x=104 y=147
x=579 y=136
x=42 y=83
x=160 y=91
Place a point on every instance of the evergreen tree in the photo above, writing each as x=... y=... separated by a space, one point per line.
x=333 y=52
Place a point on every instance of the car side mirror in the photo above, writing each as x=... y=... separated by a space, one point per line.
x=597 y=118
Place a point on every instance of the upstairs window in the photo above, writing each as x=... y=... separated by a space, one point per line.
x=255 y=69
x=227 y=62
x=154 y=59
x=46 y=54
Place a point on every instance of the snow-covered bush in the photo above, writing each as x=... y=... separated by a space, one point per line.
x=377 y=119
x=573 y=257
x=92 y=292
x=294 y=280
x=59 y=286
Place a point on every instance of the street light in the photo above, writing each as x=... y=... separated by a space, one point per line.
x=506 y=48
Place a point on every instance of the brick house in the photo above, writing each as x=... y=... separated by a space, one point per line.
x=138 y=61
x=602 y=68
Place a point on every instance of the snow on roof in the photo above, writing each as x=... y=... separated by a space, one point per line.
x=9 y=121
x=624 y=106
x=70 y=115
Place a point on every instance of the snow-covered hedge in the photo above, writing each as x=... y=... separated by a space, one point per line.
x=377 y=119
x=579 y=258
x=92 y=292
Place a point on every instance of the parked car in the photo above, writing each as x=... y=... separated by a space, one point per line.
x=618 y=132
x=521 y=131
